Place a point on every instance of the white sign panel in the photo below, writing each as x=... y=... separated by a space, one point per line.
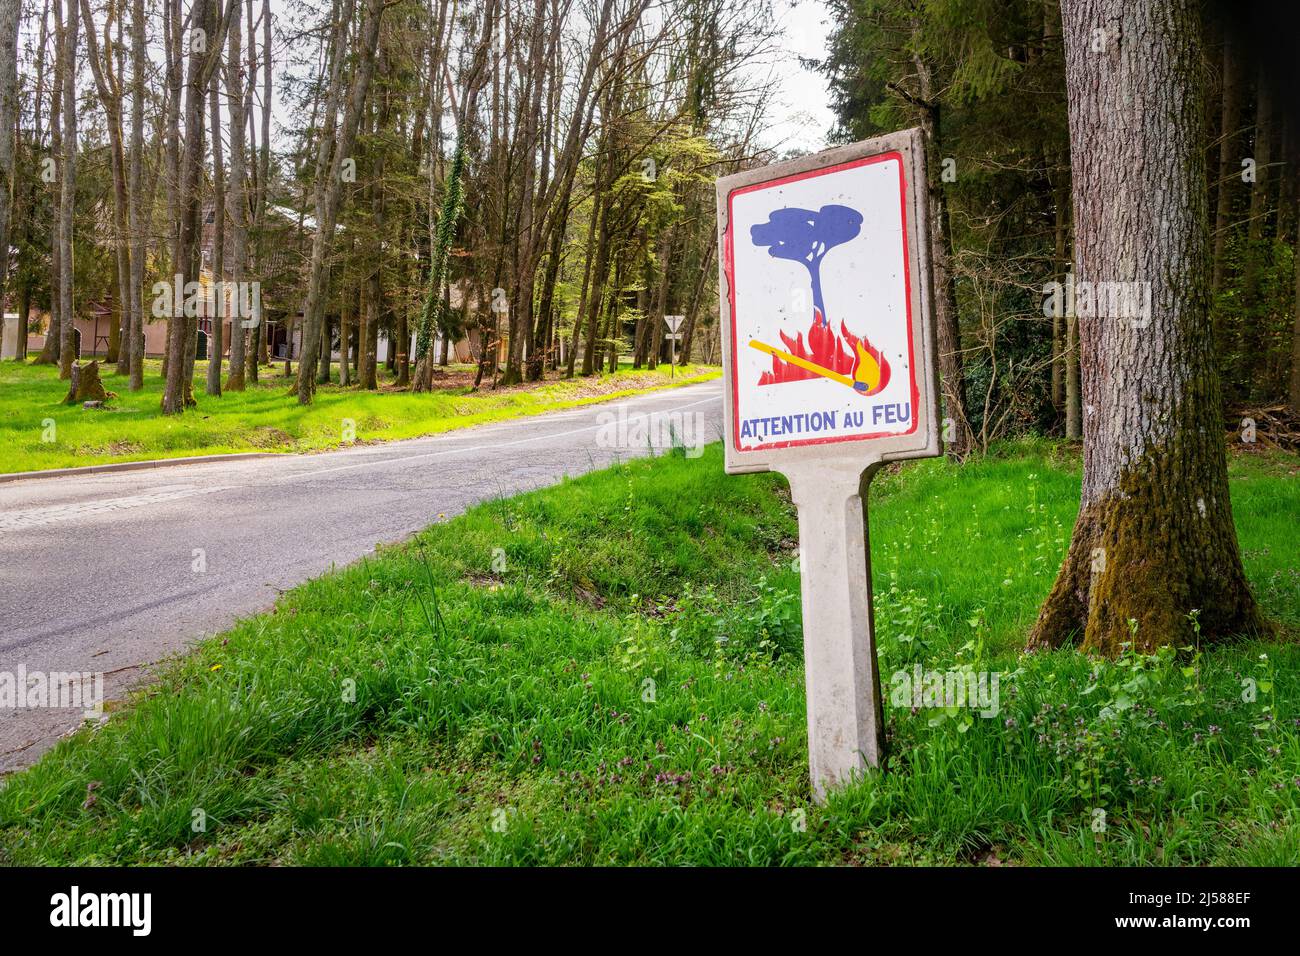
x=821 y=323
x=824 y=290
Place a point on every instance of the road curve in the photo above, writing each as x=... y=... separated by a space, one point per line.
x=112 y=572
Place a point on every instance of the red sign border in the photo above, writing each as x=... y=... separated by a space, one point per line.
x=907 y=280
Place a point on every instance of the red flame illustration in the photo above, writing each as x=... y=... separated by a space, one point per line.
x=849 y=356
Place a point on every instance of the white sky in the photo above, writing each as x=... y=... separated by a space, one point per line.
x=804 y=118
x=800 y=118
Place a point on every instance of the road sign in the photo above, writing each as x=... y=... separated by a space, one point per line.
x=674 y=322
x=830 y=370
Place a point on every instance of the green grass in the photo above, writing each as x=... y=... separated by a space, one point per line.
x=37 y=431
x=481 y=696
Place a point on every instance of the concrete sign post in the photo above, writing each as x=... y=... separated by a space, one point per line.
x=830 y=370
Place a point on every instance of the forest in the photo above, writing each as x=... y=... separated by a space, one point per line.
x=535 y=179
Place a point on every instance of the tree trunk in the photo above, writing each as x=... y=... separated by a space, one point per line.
x=68 y=187
x=1073 y=409
x=127 y=301
x=182 y=332
x=693 y=310
x=1294 y=390
x=368 y=335
x=258 y=345
x=597 y=214
x=237 y=205
x=1229 y=154
x=1061 y=198
x=536 y=368
x=599 y=278
x=139 y=67
x=1154 y=540
x=53 y=332
x=326 y=347
x=217 y=319
x=24 y=318
x=1249 y=352
x=952 y=377
x=8 y=109
x=401 y=343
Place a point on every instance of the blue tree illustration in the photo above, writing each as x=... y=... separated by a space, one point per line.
x=806 y=236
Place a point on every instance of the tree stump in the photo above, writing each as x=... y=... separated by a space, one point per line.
x=85 y=385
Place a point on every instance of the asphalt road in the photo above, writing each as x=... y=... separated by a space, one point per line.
x=112 y=572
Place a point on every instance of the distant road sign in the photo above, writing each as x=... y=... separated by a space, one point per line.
x=674 y=322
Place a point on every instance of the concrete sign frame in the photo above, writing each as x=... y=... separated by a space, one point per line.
x=881 y=284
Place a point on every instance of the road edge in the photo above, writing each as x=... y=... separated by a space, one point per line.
x=135 y=465
x=149 y=463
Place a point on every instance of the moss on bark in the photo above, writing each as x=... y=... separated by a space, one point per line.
x=86 y=385
x=1143 y=558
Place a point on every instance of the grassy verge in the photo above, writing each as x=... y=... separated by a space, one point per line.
x=38 y=431
x=609 y=672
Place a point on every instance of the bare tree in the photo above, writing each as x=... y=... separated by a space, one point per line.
x=49 y=354
x=135 y=187
x=110 y=97
x=335 y=148
x=206 y=40
x=67 y=184
x=8 y=112
x=237 y=199
x=216 y=318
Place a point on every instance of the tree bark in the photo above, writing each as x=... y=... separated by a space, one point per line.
x=217 y=319
x=1061 y=198
x=1229 y=154
x=182 y=332
x=258 y=347
x=8 y=110
x=1073 y=408
x=952 y=376
x=139 y=68
x=1249 y=352
x=1154 y=540
x=49 y=354
x=237 y=203
x=33 y=186
x=68 y=187
x=109 y=88
x=345 y=342
x=1293 y=392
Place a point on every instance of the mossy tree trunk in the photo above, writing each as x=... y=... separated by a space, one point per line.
x=85 y=385
x=1155 y=538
